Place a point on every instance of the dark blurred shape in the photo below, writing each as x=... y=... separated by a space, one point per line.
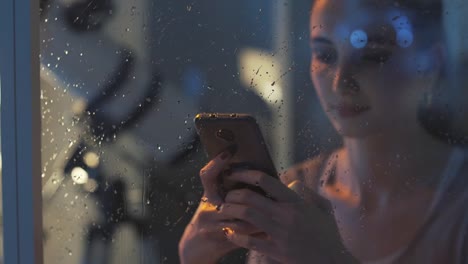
x=88 y=15
x=42 y=6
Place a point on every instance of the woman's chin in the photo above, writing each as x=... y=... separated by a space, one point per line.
x=356 y=130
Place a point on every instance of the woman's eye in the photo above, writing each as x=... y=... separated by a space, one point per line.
x=324 y=56
x=377 y=57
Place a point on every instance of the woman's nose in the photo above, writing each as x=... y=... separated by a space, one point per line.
x=345 y=82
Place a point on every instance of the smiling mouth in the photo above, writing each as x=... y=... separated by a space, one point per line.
x=349 y=110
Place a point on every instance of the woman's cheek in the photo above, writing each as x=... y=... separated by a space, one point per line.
x=320 y=73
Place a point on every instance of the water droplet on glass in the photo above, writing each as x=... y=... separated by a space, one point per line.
x=189 y=8
x=127 y=29
x=190 y=146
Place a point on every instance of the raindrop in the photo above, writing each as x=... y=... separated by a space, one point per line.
x=189 y=8
x=190 y=146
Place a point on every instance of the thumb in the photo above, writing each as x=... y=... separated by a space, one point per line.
x=310 y=196
x=301 y=190
x=210 y=174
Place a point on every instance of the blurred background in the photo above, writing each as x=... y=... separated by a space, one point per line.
x=121 y=81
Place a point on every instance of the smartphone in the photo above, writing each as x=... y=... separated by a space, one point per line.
x=240 y=134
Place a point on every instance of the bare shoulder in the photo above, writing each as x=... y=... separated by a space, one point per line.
x=307 y=172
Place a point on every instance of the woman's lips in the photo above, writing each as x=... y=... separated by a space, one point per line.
x=349 y=110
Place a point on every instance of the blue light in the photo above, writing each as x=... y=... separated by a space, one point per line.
x=358 y=39
x=405 y=38
x=403 y=28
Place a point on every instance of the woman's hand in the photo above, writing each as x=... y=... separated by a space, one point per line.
x=299 y=225
x=203 y=240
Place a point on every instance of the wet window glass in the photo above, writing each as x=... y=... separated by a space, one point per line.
x=254 y=131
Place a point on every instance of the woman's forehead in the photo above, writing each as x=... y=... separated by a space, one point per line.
x=340 y=17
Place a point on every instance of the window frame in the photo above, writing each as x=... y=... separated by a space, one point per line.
x=21 y=128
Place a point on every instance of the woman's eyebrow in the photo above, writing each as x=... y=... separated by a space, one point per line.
x=320 y=40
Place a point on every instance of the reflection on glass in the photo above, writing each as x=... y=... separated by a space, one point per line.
x=355 y=94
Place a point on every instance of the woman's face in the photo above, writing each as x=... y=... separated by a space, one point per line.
x=369 y=67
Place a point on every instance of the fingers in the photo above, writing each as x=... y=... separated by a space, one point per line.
x=269 y=184
x=250 y=242
x=250 y=215
x=253 y=199
x=213 y=219
x=209 y=176
x=310 y=197
x=240 y=226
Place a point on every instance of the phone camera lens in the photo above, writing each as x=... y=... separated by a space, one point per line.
x=225 y=134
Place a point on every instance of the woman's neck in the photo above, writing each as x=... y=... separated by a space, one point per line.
x=385 y=167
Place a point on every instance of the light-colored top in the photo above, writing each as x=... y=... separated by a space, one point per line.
x=442 y=239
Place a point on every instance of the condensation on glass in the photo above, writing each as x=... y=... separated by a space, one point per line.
x=121 y=82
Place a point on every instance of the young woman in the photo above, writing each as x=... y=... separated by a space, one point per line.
x=393 y=193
